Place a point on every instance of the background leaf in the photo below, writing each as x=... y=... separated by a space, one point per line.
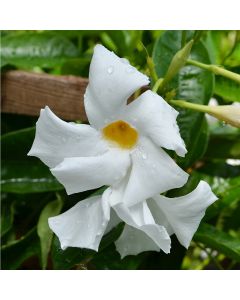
x=27 y=50
x=191 y=83
x=15 y=179
x=45 y=234
x=221 y=241
x=14 y=254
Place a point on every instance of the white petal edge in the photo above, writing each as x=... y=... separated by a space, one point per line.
x=78 y=174
x=56 y=139
x=141 y=232
x=153 y=171
x=155 y=118
x=84 y=224
x=185 y=213
x=112 y=81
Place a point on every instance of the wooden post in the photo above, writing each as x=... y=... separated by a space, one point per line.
x=26 y=93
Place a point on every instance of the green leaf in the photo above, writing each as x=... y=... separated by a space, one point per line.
x=224 y=144
x=218 y=240
x=25 y=177
x=7 y=213
x=30 y=49
x=191 y=83
x=21 y=173
x=67 y=259
x=44 y=232
x=227 y=89
x=15 y=253
x=224 y=48
x=16 y=144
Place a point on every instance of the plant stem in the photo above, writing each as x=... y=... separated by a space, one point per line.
x=216 y=70
x=193 y=106
x=157 y=85
x=151 y=68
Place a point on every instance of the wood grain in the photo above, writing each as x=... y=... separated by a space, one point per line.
x=26 y=93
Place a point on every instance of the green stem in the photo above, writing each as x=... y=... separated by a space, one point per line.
x=193 y=106
x=151 y=68
x=216 y=70
x=157 y=84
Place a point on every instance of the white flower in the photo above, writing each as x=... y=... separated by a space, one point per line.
x=121 y=149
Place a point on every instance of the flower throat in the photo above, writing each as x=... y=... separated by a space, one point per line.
x=121 y=133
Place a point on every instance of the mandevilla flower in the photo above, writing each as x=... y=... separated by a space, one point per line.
x=122 y=149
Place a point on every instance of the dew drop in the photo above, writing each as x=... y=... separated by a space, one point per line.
x=144 y=155
x=110 y=70
x=130 y=69
x=55 y=222
x=124 y=61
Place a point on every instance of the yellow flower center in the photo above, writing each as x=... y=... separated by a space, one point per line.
x=121 y=133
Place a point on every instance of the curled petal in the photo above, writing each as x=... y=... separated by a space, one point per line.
x=184 y=213
x=112 y=81
x=153 y=172
x=83 y=225
x=79 y=174
x=141 y=232
x=155 y=118
x=56 y=139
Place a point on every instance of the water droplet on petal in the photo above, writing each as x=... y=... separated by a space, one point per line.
x=55 y=222
x=124 y=61
x=130 y=69
x=144 y=155
x=110 y=70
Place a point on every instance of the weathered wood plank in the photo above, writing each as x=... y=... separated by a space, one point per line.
x=26 y=93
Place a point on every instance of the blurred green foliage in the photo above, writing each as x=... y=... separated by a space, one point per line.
x=30 y=194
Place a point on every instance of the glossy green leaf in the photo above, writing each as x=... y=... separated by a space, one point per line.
x=16 y=144
x=67 y=259
x=222 y=45
x=192 y=84
x=224 y=144
x=221 y=241
x=28 y=49
x=227 y=89
x=7 y=214
x=14 y=254
x=45 y=234
x=27 y=177
x=21 y=173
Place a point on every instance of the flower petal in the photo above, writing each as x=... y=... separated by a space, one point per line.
x=79 y=174
x=114 y=221
x=56 y=139
x=155 y=118
x=112 y=81
x=134 y=241
x=83 y=225
x=142 y=233
x=185 y=213
x=153 y=172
